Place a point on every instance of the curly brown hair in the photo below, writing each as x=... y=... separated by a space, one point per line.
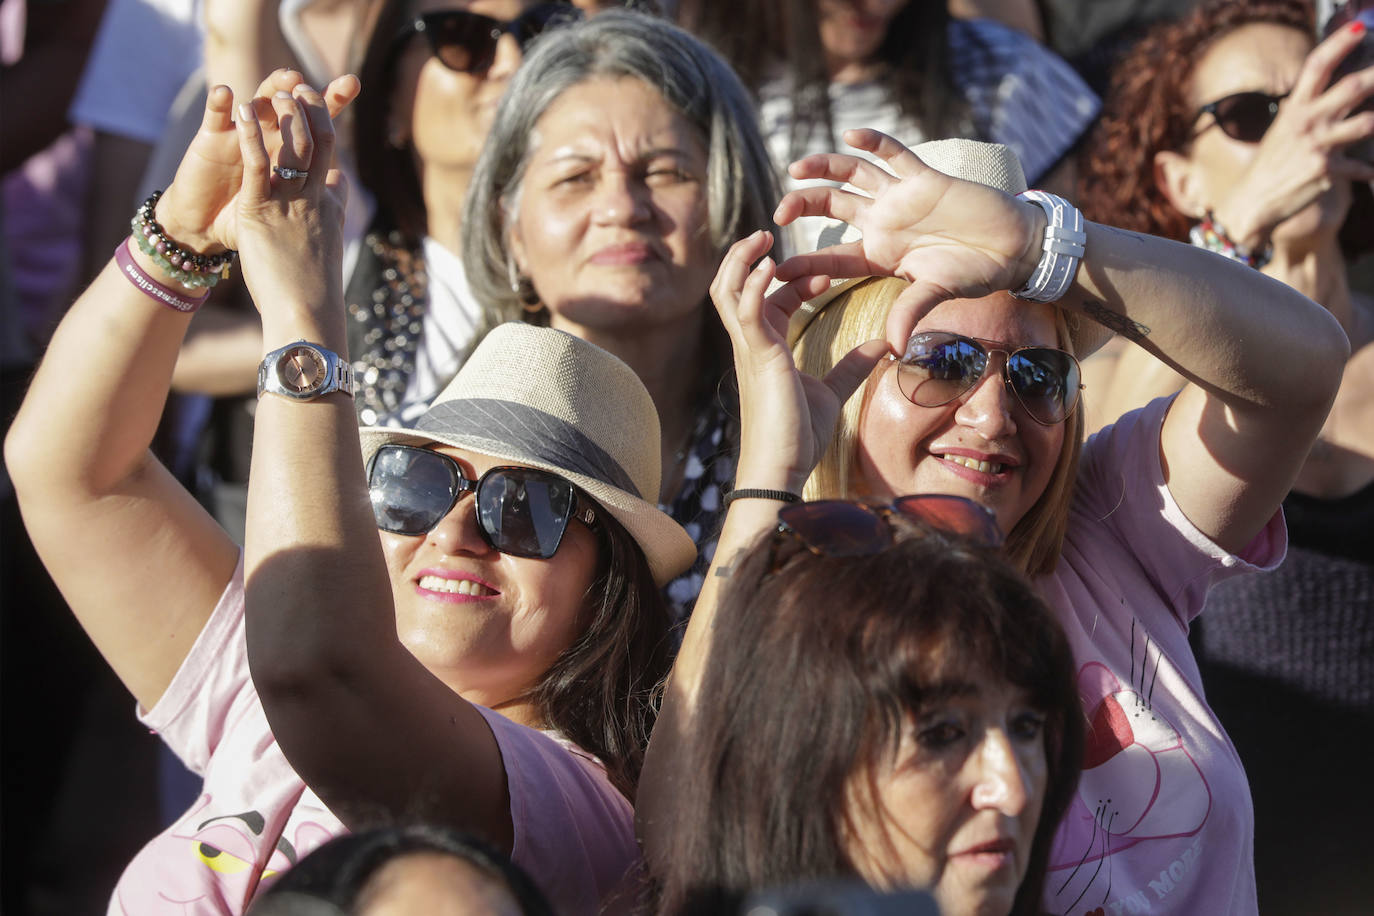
x=1148 y=110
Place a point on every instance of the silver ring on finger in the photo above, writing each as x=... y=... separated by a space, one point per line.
x=288 y=173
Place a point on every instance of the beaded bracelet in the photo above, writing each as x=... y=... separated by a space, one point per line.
x=1211 y=235
x=189 y=268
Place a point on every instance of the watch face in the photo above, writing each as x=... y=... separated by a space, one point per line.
x=301 y=370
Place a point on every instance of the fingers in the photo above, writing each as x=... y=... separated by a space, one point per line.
x=788 y=297
x=732 y=274
x=819 y=201
x=1319 y=66
x=219 y=110
x=256 y=186
x=856 y=366
x=1351 y=130
x=297 y=144
x=839 y=167
x=1350 y=91
x=281 y=80
x=340 y=93
x=751 y=321
x=321 y=128
x=847 y=260
x=895 y=153
x=1351 y=168
x=910 y=306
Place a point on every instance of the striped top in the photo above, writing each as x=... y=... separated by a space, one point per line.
x=1019 y=93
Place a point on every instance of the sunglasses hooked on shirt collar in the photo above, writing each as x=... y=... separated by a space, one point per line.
x=939 y=366
x=465 y=41
x=1242 y=116
x=849 y=528
x=521 y=511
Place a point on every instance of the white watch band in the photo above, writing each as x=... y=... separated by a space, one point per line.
x=1061 y=252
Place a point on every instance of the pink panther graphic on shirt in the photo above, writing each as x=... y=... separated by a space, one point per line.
x=209 y=864
x=1133 y=758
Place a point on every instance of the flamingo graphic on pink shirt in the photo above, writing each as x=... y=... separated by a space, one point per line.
x=1139 y=782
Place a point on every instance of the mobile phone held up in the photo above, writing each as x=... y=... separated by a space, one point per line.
x=1333 y=16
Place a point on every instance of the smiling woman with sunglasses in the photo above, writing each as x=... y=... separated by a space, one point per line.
x=890 y=702
x=1233 y=111
x=984 y=298
x=460 y=622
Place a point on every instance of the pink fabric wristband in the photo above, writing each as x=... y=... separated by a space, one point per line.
x=153 y=289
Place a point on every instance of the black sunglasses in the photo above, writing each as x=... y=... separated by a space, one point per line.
x=520 y=511
x=938 y=367
x=466 y=41
x=1244 y=116
x=846 y=528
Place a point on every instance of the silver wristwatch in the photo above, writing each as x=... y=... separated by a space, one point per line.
x=304 y=371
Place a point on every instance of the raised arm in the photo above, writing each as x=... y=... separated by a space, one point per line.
x=1264 y=360
x=786 y=419
x=138 y=560
x=371 y=730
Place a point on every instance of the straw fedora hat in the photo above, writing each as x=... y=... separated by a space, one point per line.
x=992 y=164
x=545 y=399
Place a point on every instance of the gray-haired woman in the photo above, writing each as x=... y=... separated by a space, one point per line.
x=624 y=160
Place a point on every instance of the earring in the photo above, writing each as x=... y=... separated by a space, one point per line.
x=524 y=290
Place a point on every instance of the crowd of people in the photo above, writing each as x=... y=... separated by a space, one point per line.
x=703 y=457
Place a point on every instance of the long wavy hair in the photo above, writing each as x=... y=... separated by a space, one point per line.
x=1148 y=110
x=600 y=692
x=813 y=670
x=859 y=314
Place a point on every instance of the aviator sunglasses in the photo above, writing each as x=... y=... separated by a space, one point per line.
x=1244 y=116
x=521 y=511
x=938 y=367
x=465 y=41
x=845 y=528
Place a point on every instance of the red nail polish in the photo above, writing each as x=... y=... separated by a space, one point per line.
x=1357 y=27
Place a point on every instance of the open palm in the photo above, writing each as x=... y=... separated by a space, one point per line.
x=949 y=238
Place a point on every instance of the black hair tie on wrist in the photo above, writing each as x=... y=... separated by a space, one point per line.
x=752 y=493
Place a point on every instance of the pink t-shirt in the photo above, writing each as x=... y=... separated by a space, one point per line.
x=574 y=832
x=1163 y=821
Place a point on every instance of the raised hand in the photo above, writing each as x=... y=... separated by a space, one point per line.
x=786 y=416
x=198 y=208
x=289 y=229
x=1302 y=154
x=949 y=238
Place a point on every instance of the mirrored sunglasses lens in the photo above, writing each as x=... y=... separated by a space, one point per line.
x=1246 y=117
x=524 y=512
x=1045 y=382
x=835 y=528
x=937 y=368
x=411 y=489
x=952 y=514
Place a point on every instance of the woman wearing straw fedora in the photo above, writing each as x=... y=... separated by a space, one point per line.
x=486 y=665
x=975 y=393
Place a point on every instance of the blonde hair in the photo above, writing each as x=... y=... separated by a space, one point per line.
x=859 y=314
